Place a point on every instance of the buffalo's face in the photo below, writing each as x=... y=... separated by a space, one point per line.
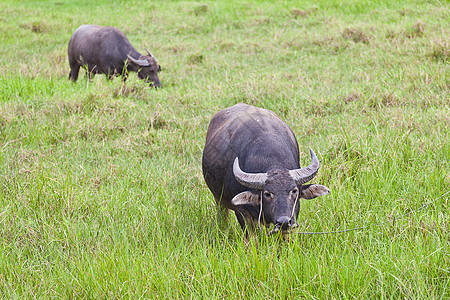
x=277 y=192
x=150 y=73
x=147 y=68
x=280 y=200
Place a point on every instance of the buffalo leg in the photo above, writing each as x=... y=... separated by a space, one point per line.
x=90 y=75
x=124 y=73
x=74 y=70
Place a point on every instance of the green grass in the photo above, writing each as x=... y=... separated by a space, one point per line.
x=101 y=190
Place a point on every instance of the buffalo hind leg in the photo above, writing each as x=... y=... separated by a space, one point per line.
x=73 y=74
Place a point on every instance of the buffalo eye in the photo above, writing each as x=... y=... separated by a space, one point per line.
x=267 y=195
x=295 y=191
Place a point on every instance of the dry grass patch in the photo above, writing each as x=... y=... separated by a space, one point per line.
x=416 y=31
x=352 y=97
x=356 y=35
x=295 y=12
x=440 y=51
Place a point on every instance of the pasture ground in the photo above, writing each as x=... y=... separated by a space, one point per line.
x=101 y=190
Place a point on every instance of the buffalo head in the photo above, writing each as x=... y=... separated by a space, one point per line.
x=274 y=195
x=148 y=68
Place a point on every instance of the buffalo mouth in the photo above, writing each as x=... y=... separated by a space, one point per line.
x=282 y=229
x=153 y=84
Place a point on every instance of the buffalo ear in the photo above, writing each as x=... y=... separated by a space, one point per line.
x=310 y=191
x=246 y=198
x=248 y=202
x=159 y=68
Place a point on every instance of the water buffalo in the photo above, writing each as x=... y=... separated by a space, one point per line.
x=244 y=137
x=106 y=50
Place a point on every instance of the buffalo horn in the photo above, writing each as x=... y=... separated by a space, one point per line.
x=251 y=180
x=304 y=175
x=139 y=62
x=149 y=53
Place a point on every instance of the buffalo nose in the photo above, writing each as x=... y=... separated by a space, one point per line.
x=283 y=222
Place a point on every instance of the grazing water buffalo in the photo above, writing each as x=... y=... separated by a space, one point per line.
x=106 y=50
x=251 y=165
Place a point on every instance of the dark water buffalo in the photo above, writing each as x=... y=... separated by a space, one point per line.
x=106 y=50
x=251 y=165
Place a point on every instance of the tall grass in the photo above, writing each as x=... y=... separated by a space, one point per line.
x=101 y=191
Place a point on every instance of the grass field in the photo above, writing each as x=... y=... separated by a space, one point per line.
x=101 y=190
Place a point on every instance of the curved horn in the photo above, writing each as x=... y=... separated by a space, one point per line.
x=251 y=180
x=304 y=175
x=149 y=53
x=139 y=62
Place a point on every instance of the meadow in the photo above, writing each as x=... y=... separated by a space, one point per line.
x=101 y=190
